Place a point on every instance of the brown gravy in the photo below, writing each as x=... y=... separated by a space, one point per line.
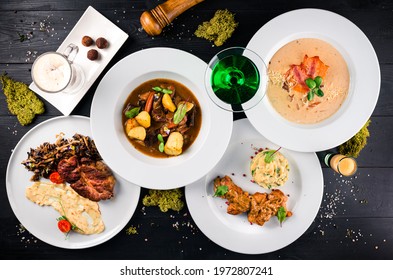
x=180 y=90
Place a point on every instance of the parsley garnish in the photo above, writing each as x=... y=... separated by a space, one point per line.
x=281 y=215
x=221 y=190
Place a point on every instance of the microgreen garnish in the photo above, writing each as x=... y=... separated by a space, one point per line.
x=281 y=215
x=163 y=90
x=221 y=190
x=315 y=87
x=161 y=145
x=132 y=113
x=270 y=155
x=180 y=113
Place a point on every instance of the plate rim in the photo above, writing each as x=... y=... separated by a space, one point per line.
x=223 y=121
x=87 y=244
x=198 y=204
x=311 y=142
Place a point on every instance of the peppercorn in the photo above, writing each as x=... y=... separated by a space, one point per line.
x=92 y=54
x=87 y=41
x=102 y=43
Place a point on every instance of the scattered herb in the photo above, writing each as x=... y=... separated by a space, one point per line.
x=270 y=155
x=221 y=190
x=180 y=113
x=133 y=112
x=219 y=29
x=355 y=145
x=161 y=145
x=22 y=37
x=315 y=87
x=281 y=215
x=21 y=101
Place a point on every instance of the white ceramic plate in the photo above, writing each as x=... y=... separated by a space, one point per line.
x=95 y=25
x=363 y=67
x=234 y=232
x=41 y=221
x=120 y=154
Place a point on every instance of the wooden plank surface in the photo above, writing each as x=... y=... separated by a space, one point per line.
x=356 y=214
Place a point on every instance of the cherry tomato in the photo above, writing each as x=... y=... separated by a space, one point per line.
x=64 y=226
x=55 y=177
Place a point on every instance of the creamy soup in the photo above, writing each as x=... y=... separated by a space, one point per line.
x=80 y=211
x=297 y=61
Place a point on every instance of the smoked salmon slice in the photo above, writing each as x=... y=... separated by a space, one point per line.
x=310 y=67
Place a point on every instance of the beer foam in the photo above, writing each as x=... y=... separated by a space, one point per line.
x=51 y=72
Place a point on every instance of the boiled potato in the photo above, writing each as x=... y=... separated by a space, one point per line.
x=174 y=144
x=168 y=103
x=138 y=133
x=131 y=123
x=143 y=118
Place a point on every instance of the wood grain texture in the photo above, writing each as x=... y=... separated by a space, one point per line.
x=356 y=214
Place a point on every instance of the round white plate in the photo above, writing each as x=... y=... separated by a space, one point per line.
x=120 y=154
x=234 y=232
x=363 y=67
x=41 y=221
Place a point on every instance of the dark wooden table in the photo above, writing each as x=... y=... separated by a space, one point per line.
x=355 y=220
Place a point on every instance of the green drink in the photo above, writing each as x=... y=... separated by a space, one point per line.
x=235 y=79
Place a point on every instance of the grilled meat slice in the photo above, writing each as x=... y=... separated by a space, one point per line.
x=93 y=180
x=69 y=169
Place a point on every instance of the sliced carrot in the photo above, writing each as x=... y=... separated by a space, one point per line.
x=149 y=101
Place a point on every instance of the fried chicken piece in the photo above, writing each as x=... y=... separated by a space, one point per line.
x=238 y=200
x=264 y=206
x=260 y=206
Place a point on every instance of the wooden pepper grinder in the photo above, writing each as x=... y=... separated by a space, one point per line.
x=155 y=20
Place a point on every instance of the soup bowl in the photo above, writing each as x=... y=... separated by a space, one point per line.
x=364 y=80
x=112 y=142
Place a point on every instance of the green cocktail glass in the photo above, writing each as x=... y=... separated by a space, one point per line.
x=236 y=79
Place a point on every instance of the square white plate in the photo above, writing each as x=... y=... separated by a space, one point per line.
x=95 y=25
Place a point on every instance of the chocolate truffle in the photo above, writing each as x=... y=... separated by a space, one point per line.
x=92 y=54
x=87 y=41
x=102 y=43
